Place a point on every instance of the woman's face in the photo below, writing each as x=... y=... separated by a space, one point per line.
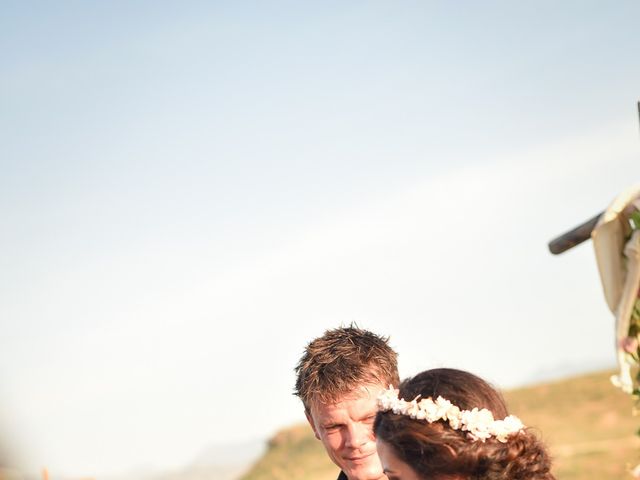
x=396 y=469
x=393 y=467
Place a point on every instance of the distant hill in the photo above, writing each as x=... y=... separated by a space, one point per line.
x=584 y=420
x=219 y=462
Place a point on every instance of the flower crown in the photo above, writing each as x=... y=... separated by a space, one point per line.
x=479 y=424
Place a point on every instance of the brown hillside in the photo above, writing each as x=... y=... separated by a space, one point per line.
x=586 y=422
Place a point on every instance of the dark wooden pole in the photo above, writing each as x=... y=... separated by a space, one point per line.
x=574 y=236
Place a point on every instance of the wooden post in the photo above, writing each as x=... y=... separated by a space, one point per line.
x=574 y=236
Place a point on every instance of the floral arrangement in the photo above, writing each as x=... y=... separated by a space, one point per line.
x=478 y=423
x=631 y=348
x=620 y=237
x=628 y=346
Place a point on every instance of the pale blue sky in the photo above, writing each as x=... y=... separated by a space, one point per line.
x=190 y=192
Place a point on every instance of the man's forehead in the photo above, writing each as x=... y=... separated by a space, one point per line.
x=360 y=392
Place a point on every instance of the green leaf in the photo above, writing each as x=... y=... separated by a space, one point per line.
x=634 y=219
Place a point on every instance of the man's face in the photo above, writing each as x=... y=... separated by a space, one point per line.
x=346 y=431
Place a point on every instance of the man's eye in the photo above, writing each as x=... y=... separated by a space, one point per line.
x=370 y=419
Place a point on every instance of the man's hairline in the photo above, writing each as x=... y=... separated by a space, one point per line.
x=344 y=395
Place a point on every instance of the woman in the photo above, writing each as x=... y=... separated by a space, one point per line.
x=447 y=424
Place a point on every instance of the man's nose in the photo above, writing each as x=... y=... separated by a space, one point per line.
x=358 y=435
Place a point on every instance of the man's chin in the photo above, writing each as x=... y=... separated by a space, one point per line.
x=371 y=470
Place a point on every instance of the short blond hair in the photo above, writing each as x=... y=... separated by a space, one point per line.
x=342 y=359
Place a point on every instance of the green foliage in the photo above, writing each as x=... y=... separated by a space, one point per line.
x=634 y=220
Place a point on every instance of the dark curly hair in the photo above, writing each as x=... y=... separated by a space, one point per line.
x=436 y=450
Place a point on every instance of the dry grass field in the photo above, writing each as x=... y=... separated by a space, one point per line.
x=586 y=422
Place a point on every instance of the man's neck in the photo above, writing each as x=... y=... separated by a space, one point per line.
x=343 y=476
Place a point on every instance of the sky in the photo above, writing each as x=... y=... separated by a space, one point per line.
x=190 y=192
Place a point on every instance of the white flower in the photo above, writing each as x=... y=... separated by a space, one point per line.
x=454 y=417
x=501 y=429
x=388 y=398
x=443 y=407
x=513 y=423
x=430 y=410
x=413 y=409
x=421 y=414
x=478 y=423
x=400 y=407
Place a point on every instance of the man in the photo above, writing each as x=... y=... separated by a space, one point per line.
x=339 y=378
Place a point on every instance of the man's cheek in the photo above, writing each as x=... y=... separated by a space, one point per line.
x=334 y=441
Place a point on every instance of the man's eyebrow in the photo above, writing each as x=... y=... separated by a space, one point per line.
x=331 y=424
x=368 y=415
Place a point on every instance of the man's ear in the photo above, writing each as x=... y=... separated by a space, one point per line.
x=312 y=423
